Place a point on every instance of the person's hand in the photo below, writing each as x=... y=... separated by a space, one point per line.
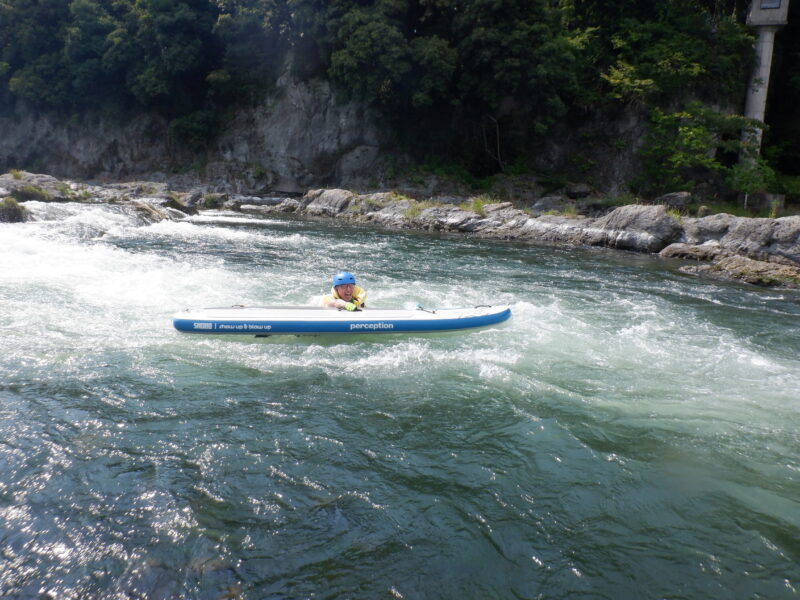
x=349 y=306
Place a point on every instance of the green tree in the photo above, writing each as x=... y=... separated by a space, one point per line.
x=87 y=40
x=176 y=50
x=31 y=41
x=254 y=36
x=691 y=145
x=372 y=56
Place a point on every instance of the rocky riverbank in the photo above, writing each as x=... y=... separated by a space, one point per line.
x=757 y=251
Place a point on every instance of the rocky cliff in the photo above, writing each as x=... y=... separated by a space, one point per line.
x=299 y=136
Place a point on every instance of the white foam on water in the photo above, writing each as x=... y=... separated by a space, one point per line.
x=605 y=344
x=191 y=231
x=620 y=374
x=231 y=218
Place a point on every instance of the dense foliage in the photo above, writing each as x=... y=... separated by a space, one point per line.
x=479 y=82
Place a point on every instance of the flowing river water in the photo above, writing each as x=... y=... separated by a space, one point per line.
x=631 y=432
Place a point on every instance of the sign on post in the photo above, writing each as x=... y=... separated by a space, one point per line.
x=768 y=12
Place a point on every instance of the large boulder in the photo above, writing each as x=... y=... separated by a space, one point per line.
x=364 y=204
x=776 y=240
x=327 y=203
x=634 y=227
x=552 y=229
x=702 y=252
x=503 y=215
x=448 y=218
x=745 y=269
x=704 y=229
x=26 y=186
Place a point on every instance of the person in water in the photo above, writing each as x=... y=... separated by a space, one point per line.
x=345 y=293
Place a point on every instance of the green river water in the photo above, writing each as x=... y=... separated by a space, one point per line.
x=631 y=432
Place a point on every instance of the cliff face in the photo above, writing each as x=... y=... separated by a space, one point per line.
x=298 y=137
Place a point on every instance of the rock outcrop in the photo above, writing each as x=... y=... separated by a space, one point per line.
x=634 y=227
x=758 y=251
x=775 y=240
x=300 y=136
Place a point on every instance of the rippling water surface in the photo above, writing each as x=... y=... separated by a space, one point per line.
x=631 y=432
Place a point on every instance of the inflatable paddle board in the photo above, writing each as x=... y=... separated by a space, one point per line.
x=309 y=320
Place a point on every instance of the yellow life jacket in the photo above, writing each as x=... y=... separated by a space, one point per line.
x=359 y=296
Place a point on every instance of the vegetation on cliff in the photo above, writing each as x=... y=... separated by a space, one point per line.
x=478 y=83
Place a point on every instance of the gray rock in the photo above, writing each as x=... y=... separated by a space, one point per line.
x=776 y=240
x=712 y=227
x=394 y=215
x=634 y=227
x=151 y=212
x=749 y=237
x=448 y=218
x=33 y=186
x=174 y=214
x=364 y=204
x=675 y=199
x=300 y=135
x=756 y=272
x=498 y=206
x=286 y=205
x=704 y=252
x=454 y=200
x=555 y=229
x=327 y=202
x=785 y=239
x=578 y=190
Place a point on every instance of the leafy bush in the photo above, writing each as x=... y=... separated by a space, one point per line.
x=415 y=208
x=478 y=204
x=32 y=192
x=683 y=147
x=212 y=201
x=751 y=176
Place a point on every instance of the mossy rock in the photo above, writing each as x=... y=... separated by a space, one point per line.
x=32 y=192
x=12 y=211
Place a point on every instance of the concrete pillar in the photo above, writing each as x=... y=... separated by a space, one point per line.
x=756 y=102
x=766 y=16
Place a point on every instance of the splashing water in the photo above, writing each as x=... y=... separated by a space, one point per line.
x=630 y=432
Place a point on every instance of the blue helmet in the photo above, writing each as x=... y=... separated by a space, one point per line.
x=343 y=278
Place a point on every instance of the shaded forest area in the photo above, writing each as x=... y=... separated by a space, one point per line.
x=478 y=84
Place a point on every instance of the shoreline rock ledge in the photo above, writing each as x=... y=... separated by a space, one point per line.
x=764 y=252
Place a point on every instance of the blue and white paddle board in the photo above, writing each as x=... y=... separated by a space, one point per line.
x=302 y=320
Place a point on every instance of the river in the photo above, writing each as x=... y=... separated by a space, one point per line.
x=631 y=431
